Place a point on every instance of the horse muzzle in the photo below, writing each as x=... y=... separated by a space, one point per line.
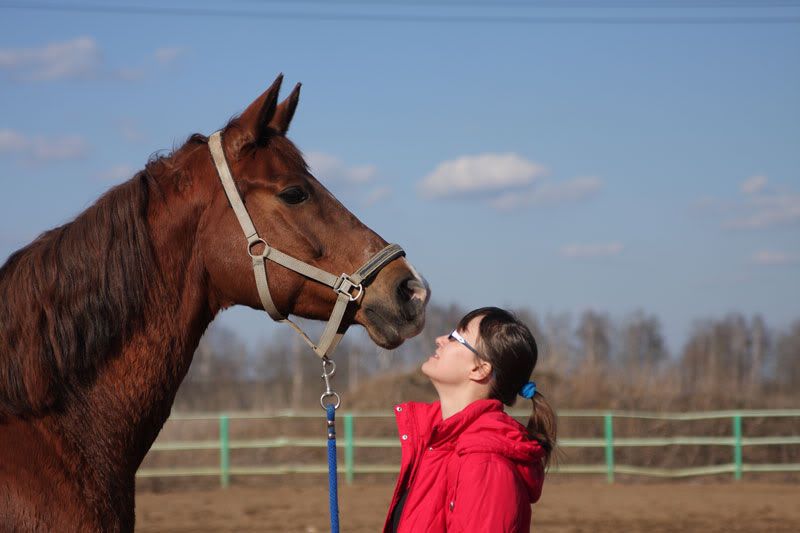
x=393 y=308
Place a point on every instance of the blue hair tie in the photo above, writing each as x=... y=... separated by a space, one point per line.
x=528 y=390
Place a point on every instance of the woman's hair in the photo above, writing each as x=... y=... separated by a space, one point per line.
x=508 y=345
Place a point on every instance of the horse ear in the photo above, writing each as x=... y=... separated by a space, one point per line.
x=283 y=115
x=256 y=118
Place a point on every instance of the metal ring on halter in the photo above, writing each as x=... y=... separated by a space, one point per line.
x=257 y=240
x=330 y=394
x=357 y=296
x=328 y=363
x=343 y=285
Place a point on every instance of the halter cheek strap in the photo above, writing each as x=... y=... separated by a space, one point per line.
x=349 y=288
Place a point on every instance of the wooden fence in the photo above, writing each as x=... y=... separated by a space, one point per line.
x=349 y=468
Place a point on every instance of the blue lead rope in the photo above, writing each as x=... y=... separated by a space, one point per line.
x=333 y=487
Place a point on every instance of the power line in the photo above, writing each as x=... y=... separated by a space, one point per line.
x=360 y=17
x=552 y=4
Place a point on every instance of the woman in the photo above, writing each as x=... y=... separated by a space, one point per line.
x=467 y=465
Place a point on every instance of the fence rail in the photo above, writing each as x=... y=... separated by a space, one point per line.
x=737 y=441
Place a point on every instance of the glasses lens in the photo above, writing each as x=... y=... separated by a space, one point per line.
x=456 y=336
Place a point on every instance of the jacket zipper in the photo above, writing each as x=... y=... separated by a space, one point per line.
x=411 y=480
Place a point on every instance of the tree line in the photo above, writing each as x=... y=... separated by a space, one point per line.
x=590 y=360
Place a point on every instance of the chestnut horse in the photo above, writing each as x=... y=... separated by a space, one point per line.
x=99 y=318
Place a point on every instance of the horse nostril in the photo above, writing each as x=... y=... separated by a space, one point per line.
x=412 y=289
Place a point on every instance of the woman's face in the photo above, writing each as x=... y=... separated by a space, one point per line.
x=453 y=363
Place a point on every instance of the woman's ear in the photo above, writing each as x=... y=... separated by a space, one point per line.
x=482 y=371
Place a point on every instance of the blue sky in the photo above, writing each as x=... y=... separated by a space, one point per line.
x=557 y=166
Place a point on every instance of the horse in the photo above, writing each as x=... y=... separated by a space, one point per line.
x=100 y=317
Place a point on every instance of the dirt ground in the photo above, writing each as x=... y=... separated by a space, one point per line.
x=571 y=507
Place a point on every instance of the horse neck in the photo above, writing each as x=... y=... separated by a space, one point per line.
x=114 y=420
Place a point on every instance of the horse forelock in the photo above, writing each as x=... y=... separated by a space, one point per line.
x=71 y=297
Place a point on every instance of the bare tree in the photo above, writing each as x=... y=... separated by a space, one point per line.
x=759 y=352
x=220 y=356
x=355 y=353
x=697 y=366
x=720 y=356
x=643 y=346
x=298 y=375
x=738 y=359
x=726 y=354
x=558 y=338
x=787 y=361
x=530 y=319
x=594 y=336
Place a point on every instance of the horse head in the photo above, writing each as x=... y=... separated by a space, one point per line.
x=294 y=213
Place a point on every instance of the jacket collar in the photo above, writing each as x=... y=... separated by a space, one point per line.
x=444 y=431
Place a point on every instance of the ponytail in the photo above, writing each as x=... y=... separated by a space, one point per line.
x=509 y=346
x=542 y=426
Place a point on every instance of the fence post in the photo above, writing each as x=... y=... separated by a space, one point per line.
x=224 y=452
x=609 y=433
x=348 y=448
x=737 y=446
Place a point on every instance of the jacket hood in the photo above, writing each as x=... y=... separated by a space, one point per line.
x=484 y=427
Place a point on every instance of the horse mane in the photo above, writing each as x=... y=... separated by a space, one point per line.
x=73 y=296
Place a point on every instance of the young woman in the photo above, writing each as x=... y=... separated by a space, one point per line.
x=467 y=465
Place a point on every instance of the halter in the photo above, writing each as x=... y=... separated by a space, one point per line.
x=349 y=288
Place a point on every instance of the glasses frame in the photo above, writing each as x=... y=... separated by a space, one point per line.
x=456 y=336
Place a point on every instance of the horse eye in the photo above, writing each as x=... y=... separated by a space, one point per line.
x=293 y=195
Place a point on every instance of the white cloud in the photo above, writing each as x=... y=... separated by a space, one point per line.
x=362 y=174
x=480 y=173
x=168 y=55
x=67 y=147
x=550 y=193
x=376 y=195
x=582 y=251
x=357 y=182
x=12 y=141
x=128 y=74
x=39 y=148
x=761 y=205
x=77 y=58
x=767 y=210
x=116 y=174
x=129 y=130
x=754 y=184
x=710 y=206
x=328 y=167
x=773 y=258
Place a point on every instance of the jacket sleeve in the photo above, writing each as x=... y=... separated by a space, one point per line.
x=488 y=496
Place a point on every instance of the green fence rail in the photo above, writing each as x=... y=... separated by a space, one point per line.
x=737 y=441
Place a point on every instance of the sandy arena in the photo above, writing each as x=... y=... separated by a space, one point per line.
x=566 y=507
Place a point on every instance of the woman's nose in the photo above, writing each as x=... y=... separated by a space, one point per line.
x=440 y=340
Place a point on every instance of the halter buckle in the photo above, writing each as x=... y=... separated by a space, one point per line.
x=253 y=242
x=344 y=285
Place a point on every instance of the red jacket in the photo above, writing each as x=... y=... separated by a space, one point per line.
x=477 y=471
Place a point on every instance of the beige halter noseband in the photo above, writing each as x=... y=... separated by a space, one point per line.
x=349 y=288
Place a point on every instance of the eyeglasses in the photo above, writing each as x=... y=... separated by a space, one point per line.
x=456 y=336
